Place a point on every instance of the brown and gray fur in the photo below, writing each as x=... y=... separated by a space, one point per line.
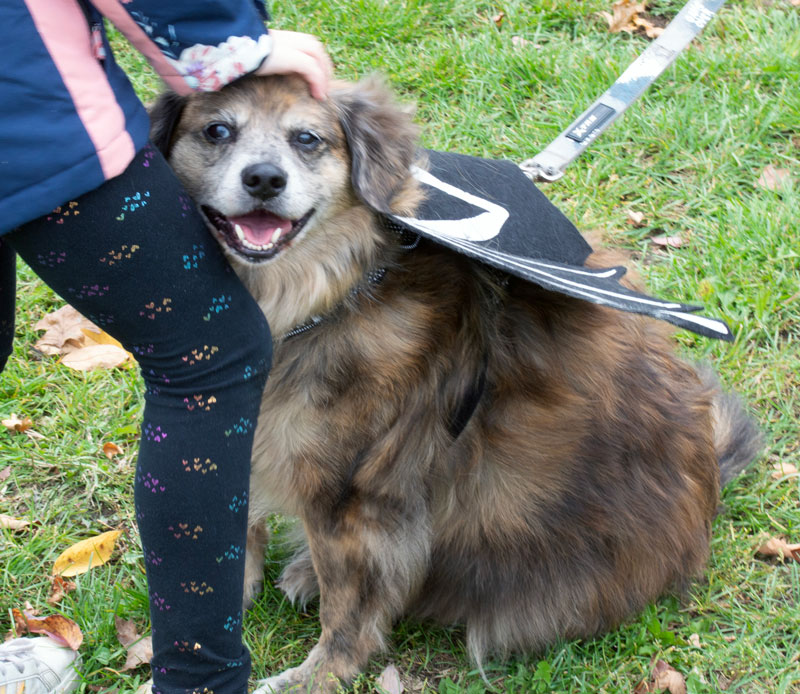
x=582 y=486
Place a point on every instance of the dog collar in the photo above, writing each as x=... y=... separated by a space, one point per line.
x=371 y=279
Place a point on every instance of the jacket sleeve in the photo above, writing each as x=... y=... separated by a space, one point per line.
x=194 y=44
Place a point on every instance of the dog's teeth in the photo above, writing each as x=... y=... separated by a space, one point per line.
x=269 y=245
x=239 y=232
x=275 y=236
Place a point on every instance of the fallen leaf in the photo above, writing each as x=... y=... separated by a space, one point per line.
x=86 y=554
x=623 y=15
x=57 y=627
x=11 y=523
x=694 y=640
x=651 y=30
x=14 y=423
x=667 y=677
x=389 y=680
x=498 y=19
x=139 y=648
x=778 y=547
x=111 y=449
x=663 y=678
x=773 y=178
x=64 y=331
x=781 y=470
x=519 y=42
x=69 y=334
x=96 y=357
x=58 y=589
x=5 y=473
x=671 y=241
x=636 y=218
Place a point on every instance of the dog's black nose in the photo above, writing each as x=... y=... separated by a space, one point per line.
x=264 y=180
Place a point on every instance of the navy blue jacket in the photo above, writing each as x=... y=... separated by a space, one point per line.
x=69 y=118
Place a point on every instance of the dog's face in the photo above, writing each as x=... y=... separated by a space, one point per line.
x=268 y=164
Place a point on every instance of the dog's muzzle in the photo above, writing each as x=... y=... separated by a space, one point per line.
x=258 y=235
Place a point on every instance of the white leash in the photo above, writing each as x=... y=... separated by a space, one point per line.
x=550 y=163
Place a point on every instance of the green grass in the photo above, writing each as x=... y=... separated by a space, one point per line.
x=687 y=155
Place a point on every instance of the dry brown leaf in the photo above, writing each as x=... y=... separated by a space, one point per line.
x=778 y=547
x=651 y=30
x=694 y=640
x=668 y=678
x=11 y=523
x=96 y=357
x=14 y=423
x=59 y=587
x=83 y=346
x=498 y=19
x=773 y=178
x=64 y=331
x=636 y=219
x=519 y=42
x=663 y=678
x=5 y=473
x=389 y=680
x=111 y=449
x=86 y=554
x=671 y=241
x=781 y=470
x=624 y=12
x=57 y=627
x=139 y=648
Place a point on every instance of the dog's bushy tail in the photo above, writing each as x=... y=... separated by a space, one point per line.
x=737 y=438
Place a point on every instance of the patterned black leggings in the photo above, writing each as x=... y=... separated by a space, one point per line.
x=135 y=258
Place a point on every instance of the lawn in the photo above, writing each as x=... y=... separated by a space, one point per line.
x=687 y=161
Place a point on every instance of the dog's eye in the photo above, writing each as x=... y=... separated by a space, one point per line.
x=218 y=132
x=307 y=140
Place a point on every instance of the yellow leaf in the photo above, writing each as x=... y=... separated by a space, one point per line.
x=86 y=554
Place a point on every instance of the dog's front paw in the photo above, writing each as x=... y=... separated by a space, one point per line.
x=295 y=680
x=314 y=676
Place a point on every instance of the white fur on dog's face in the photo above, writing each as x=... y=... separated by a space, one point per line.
x=301 y=245
x=225 y=140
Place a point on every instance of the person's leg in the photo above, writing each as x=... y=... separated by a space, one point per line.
x=8 y=285
x=136 y=259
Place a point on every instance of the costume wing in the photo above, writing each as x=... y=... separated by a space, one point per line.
x=489 y=210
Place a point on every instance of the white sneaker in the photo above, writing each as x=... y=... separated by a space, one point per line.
x=37 y=666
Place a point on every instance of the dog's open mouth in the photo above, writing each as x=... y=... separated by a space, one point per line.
x=259 y=235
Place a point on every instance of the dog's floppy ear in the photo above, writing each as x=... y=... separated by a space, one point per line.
x=381 y=138
x=164 y=116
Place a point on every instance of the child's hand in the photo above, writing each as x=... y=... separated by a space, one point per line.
x=301 y=54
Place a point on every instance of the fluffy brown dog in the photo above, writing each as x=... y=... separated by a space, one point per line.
x=458 y=445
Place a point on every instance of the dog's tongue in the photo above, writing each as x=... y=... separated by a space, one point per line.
x=260 y=227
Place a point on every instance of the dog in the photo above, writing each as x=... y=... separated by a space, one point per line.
x=458 y=445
